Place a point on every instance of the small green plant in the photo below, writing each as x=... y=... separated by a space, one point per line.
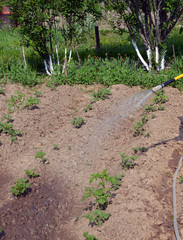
x=89 y=107
x=127 y=161
x=37 y=93
x=143 y=149
x=31 y=102
x=147 y=135
x=160 y=97
x=21 y=187
x=77 y=122
x=102 y=94
x=144 y=119
x=89 y=237
x=8 y=118
x=30 y=173
x=1 y=230
x=138 y=128
x=150 y=108
x=16 y=102
x=41 y=156
x=2 y=91
x=102 y=194
x=135 y=149
x=55 y=146
x=153 y=116
x=181 y=179
x=97 y=217
x=69 y=147
x=160 y=107
x=7 y=128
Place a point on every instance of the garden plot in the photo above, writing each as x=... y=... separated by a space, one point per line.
x=65 y=156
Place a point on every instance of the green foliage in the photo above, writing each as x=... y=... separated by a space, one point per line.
x=56 y=146
x=102 y=193
x=89 y=237
x=41 y=155
x=160 y=97
x=30 y=173
x=101 y=94
x=138 y=128
x=2 y=91
x=8 y=118
x=31 y=102
x=150 y=108
x=89 y=107
x=16 y=102
x=19 y=101
x=127 y=161
x=21 y=187
x=7 y=128
x=77 y=122
x=181 y=179
x=141 y=149
x=1 y=230
x=97 y=217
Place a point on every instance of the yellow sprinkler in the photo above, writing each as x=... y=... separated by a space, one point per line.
x=157 y=88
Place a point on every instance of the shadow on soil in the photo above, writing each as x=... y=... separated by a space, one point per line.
x=178 y=138
x=36 y=215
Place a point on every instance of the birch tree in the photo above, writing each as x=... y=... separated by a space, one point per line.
x=38 y=22
x=151 y=21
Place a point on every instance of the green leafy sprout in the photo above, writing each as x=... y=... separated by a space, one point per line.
x=21 y=187
x=102 y=94
x=30 y=173
x=127 y=161
x=89 y=237
x=41 y=155
x=77 y=122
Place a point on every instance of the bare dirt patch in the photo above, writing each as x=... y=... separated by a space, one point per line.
x=142 y=208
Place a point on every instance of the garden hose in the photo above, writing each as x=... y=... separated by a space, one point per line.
x=157 y=88
x=174 y=201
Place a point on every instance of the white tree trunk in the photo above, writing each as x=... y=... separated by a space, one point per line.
x=47 y=68
x=56 y=49
x=149 y=55
x=64 y=61
x=163 y=60
x=139 y=54
x=157 y=55
x=70 y=54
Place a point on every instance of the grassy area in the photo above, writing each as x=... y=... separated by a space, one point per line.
x=116 y=62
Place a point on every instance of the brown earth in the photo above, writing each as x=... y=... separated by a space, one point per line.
x=53 y=207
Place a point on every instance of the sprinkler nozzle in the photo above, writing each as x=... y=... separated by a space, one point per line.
x=157 y=88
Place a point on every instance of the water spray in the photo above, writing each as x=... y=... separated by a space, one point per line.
x=157 y=88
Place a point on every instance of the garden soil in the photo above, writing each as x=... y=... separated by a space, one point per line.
x=53 y=209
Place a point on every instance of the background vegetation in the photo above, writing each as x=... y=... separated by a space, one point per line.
x=116 y=62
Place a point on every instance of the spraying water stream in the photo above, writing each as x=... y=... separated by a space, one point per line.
x=116 y=116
